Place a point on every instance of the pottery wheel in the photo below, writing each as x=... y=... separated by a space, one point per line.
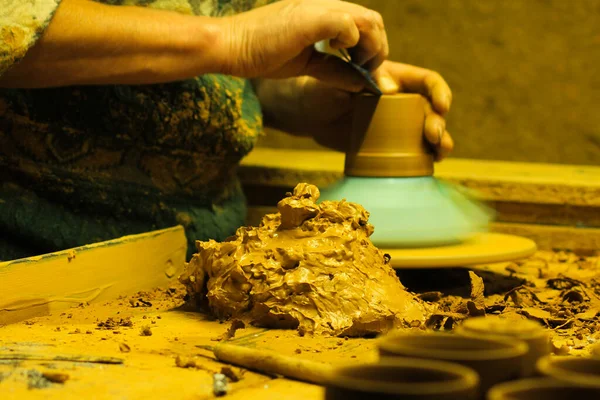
x=483 y=248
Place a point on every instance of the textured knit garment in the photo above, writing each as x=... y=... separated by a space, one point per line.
x=80 y=165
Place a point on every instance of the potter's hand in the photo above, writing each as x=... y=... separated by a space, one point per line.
x=395 y=77
x=277 y=40
x=307 y=107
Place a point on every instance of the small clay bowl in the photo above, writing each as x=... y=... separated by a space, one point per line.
x=541 y=389
x=495 y=360
x=579 y=371
x=530 y=332
x=410 y=379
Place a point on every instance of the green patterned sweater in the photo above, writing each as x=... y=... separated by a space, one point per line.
x=84 y=164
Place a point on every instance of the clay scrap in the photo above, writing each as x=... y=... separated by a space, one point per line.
x=310 y=267
x=556 y=289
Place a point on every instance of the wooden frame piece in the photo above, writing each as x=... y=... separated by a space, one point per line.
x=41 y=285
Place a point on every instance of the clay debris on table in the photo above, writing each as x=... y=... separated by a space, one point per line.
x=560 y=290
x=310 y=266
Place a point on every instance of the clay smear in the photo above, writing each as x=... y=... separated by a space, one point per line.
x=310 y=266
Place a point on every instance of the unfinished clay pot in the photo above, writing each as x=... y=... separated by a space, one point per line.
x=387 y=137
x=538 y=389
x=530 y=332
x=495 y=360
x=579 y=371
x=403 y=379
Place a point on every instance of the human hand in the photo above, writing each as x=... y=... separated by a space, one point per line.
x=306 y=106
x=277 y=41
x=393 y=77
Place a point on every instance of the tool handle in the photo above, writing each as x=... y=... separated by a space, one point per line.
x=274 y=363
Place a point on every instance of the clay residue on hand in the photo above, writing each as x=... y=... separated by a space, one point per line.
x=311 y=267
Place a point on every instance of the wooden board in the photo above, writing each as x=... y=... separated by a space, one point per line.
x=547 y=237
x=98 y=272
x=493 y=180
x=549 y=214
x=561 y=198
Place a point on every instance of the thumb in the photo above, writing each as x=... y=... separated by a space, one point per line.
x=334 y=72
x=386 y=82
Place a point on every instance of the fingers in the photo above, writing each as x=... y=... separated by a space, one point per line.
x=386 y=82
x=424 y=81
x=438 y=91
x=435 y=133
x=346 y=33
x=372 y=48
x=445 y=148
x=380 y=58
x=350 y=26
x=334 y=72
x=394 y=77
x=435 y=126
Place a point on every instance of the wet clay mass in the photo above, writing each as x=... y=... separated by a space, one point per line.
x=311 y=267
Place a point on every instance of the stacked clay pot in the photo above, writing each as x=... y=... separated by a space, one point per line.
x=536 y=389
x=533 y=334
x=495 y=360
x=409 y=379
x=578 y=371
x=469 y=365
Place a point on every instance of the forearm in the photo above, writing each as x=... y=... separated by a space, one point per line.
x=92 y=43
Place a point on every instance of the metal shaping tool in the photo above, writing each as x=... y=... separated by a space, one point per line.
x=371 y=85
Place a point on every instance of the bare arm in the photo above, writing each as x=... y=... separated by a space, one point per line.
x=92 y=43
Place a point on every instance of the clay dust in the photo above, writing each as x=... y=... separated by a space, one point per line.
x=559 y=290
x=97 y=351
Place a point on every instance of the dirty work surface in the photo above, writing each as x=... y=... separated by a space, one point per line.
x=148 y=332
x=560 y=290
x=129 y=348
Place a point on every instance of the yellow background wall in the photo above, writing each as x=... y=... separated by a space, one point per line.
x=525 y=73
